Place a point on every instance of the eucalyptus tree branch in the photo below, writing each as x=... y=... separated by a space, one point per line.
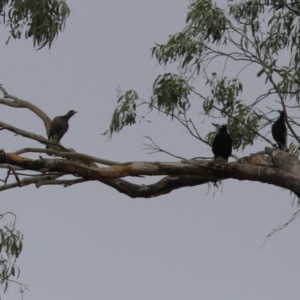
x=285 y=172
x=184 y=122
x=28 y=181
x=294 y=122
x=297 y=13
x=156 y=148
x=25 y=133
x=169 y=183
x=11 y=169
x=67 y=155
x=162 y=187
x=5 y=166
x=195 y=129
x=22 y=286
x=30 y=135
x=279 y=228
x=19 y=103
x=10 y=213
x=65 y=183
x=237 y=119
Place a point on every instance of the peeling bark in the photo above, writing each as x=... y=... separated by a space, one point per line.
x=271 y=166
x=284 y=172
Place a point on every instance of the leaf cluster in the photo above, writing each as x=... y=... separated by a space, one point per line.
x=261 y=36
x=170 y=94
x=10 y=248
x=125 y=113
x=40 y=20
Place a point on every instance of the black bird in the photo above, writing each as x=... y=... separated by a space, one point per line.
x=279 y=132
x=222 y=144
x=59 y=126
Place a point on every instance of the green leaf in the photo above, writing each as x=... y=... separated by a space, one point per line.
x=260 y=72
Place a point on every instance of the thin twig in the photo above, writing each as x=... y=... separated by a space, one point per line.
x=27 y=181
x=279 y=228
x=11 y=169
x=158 y=149
x=65 y=183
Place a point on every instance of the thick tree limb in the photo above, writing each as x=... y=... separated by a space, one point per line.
x=162 y=187
x=179 y=174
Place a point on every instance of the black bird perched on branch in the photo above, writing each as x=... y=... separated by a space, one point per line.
x=222 y=144
x=279 y=132
x=59 y=126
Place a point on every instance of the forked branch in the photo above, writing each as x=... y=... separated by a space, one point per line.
x=277 y=168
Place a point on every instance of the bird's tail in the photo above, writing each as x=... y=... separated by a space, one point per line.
x=283 y=147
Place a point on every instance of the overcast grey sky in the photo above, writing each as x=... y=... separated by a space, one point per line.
x=91 y=242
